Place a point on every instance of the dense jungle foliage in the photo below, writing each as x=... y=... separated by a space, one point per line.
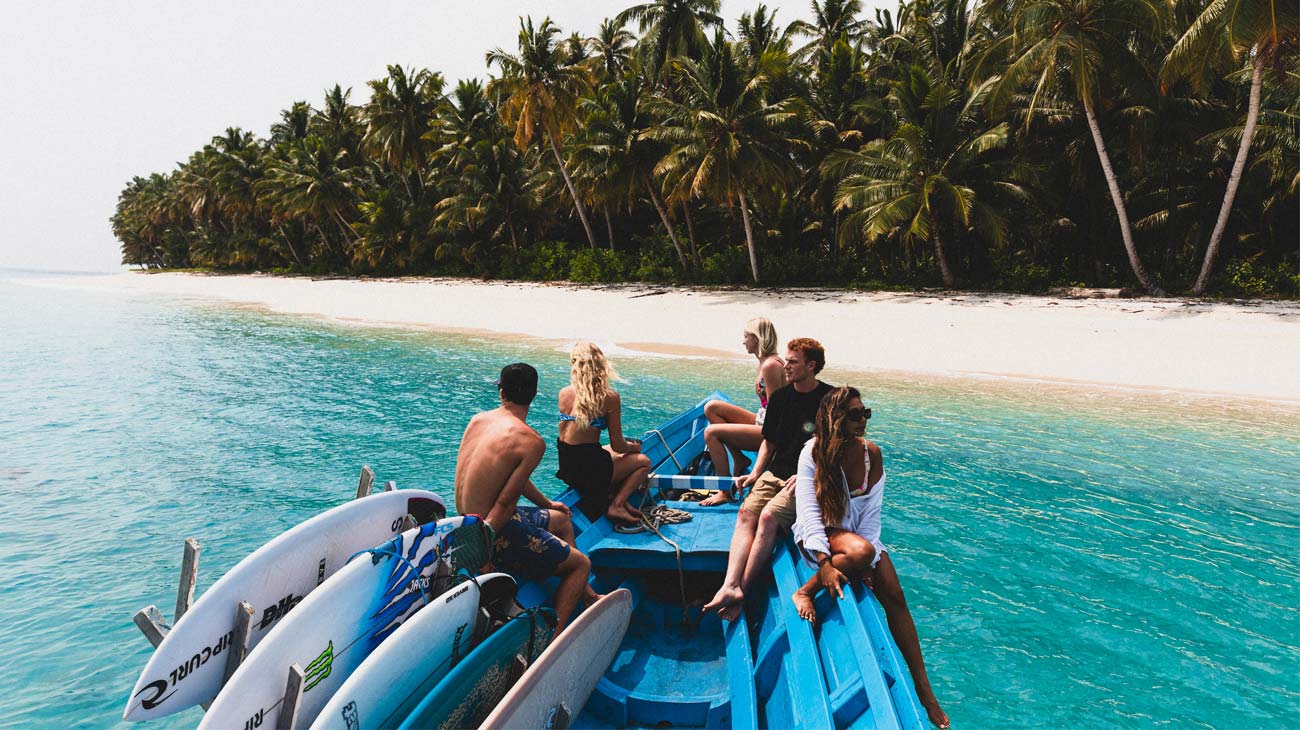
x=1013 y=144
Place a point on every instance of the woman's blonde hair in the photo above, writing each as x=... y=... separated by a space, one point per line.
x=762 y=328
x=590 y=374
x=834 y=435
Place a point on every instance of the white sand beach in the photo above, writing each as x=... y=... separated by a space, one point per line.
x=1249 y=350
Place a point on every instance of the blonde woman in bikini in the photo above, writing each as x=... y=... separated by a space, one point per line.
x=732 y=429
x=605 y=477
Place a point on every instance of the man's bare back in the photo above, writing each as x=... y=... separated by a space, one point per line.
x=496 y=446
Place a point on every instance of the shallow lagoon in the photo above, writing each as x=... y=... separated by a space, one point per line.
x=1104 y=559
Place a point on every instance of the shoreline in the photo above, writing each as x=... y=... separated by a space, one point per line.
x=1217 y=350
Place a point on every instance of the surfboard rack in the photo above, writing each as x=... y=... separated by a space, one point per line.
x=150 y=620
x=367 y=481
x=292 y=693
x=155 y=628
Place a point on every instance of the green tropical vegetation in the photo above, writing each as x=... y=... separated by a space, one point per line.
x=1010 y=144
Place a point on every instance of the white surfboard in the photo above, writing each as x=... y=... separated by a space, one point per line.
x=398 y=674
x=188 y=666
x=556 y=687
x=339 y=624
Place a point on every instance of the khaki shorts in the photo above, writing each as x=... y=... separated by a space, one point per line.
x=768 y=497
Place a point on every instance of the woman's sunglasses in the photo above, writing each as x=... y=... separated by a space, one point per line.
x=858 y=414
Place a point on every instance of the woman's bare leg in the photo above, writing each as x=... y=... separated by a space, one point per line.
x=719 y=414
x=851 y=554
x=630 y=472
x=886 y=586
x=731 y=430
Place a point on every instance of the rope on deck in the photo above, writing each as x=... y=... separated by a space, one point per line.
x=667 y=448
x=651 y=519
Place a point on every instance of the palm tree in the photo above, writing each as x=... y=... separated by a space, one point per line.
x=725 y=134
x=673 y=28
x=494 y=188
x=841 y=112
x=144 y=222
x=758 y=35
x=1071 y=42
x=615 y=153
x=611 y=47
x=339 y=123
x=401 y=107
x=539 y=93
x=292 y=126
x=313 y=184
x=833 y=21
x=939 y=170
x=1262 y=31
x=237 y=166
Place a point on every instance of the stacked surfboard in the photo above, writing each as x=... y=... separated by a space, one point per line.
x=188 y=667
x=337 y=628
x=387 y=629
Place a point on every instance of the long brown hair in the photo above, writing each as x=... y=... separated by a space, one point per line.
x=834 y=436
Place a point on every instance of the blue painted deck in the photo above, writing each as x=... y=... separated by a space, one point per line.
x=679 y=668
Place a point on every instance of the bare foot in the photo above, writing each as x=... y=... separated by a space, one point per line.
x=624 y=516
x=591 y=596
x=718 y=497
x=937 y=715
x=731 y=613
x=803 y=603
x=726 y=597
x=626 y=507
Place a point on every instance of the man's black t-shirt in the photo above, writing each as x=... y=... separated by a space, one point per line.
x=789 y=424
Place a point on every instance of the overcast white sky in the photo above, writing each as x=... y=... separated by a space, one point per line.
x=99 y=92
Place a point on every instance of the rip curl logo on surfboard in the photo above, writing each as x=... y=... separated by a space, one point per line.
x=157 y=687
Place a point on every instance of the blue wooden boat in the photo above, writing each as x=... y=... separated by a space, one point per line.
x=679 y=668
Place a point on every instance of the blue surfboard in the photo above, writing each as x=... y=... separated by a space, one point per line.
x=472 y=689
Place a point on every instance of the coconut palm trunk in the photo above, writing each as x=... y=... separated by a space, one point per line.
x=345 y=227
x=1252 y=116
x=577 y=202
x=663 y=216
x=609 y=228
x=288 y=243
x=749 y=233
x=949 y=281
x=1121 y=212
x=690 y=230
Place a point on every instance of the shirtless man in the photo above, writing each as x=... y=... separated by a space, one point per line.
x=493 y=469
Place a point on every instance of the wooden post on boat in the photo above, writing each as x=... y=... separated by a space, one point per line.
x=239 y=640
x=150 y=620
x=189 y=574
x=367 y=481
x=151 y=623
x=292 y=693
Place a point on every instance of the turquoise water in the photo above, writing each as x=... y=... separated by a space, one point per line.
x=1100 y=561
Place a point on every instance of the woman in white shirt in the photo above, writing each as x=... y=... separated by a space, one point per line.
x=839 y=491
